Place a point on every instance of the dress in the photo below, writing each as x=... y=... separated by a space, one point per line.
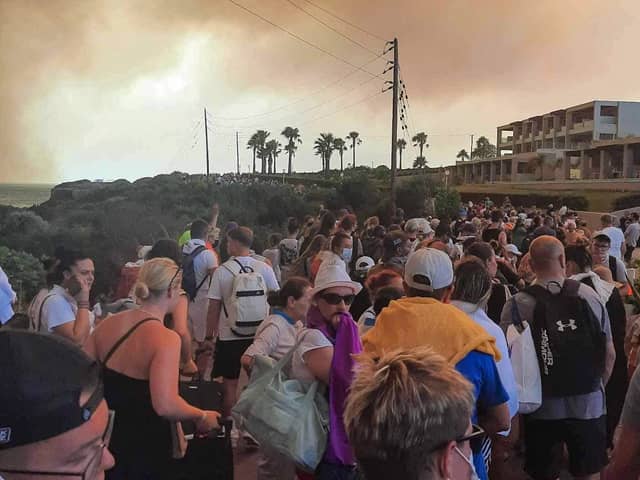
x=141 y=439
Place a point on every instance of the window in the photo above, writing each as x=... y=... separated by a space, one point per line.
x=606 y=136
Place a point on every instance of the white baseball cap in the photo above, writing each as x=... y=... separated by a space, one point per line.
x=428 y=269
x=364 y=263
x=511 y=248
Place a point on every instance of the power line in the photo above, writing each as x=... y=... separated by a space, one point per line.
x=297 y=37
x=342 y=109
x=345 y=21
x=301 y=99
x=322 y=22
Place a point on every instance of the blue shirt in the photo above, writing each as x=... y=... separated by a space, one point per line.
x=480 y=369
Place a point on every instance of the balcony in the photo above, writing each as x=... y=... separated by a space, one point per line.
x=506 y=141
x=538 y=135
x=549 y=134
x=562 y=131
x=608 y=120
x=581 y=127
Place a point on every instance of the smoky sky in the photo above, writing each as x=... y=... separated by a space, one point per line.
x=115 y=88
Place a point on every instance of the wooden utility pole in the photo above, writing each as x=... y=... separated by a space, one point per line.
x=237 y=154
x=206 y=139
x=471 y=151
x=394 y=126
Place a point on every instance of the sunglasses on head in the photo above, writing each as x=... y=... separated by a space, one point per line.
x=335 y=299
x=475 y=439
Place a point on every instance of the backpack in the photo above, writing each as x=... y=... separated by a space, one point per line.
x=287 y=255
x=189 y=273
x=613 y=266
x=247 y=306
x=569 y=341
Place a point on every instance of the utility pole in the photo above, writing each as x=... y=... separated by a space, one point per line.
x=206 y=139
x=394 y=126
x=470 y=151
x=237 y=154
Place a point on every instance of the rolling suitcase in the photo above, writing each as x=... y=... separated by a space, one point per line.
x=209 y=457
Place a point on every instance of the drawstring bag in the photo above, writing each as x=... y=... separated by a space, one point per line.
x=284 y=415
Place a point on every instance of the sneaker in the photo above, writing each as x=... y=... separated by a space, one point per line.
x=235 y=437
x=248 y=441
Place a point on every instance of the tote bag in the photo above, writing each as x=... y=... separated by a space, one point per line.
x=284 y=415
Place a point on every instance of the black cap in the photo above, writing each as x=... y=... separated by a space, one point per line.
x=41 y=378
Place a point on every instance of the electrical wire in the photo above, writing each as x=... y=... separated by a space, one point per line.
x=345 y=21
x=301 y=99
x=322 y=22
x=297 y=37
x=344 y=108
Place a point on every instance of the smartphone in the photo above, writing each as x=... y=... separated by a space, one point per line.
x=74 y=286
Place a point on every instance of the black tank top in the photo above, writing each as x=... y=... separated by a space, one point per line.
x=491 y=234
x=141 y=440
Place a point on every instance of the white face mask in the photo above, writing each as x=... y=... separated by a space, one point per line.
x=346 y=254
x=473 y=475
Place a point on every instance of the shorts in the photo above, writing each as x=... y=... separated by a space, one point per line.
x=226 y=362
x=586 y=442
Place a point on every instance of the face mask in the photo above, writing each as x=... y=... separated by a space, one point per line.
x=346 y=254
x=472 y=474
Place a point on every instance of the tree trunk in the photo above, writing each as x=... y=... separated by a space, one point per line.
x=421 y=148
x=400 y=158
x=264 y=163
x=353 y=147
x=275 y=160
x=341 y=164
x=290 y=156
x=254 y=160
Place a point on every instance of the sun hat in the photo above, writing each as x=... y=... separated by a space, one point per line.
x=363 y=264
x=42 y=378
x=331 y=274
x=428 y=269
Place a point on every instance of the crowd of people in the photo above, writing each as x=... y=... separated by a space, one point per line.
x=493 y=345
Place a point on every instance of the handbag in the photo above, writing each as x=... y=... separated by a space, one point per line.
x=284 y=415
x=524 y=361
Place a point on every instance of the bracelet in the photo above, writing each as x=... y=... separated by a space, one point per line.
x=84 y=305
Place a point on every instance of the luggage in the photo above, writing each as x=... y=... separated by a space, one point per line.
x=210 y=457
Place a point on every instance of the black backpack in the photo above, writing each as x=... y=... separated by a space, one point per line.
x=569 y=341
x=189 y=273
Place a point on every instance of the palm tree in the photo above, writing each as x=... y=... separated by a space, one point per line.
x=254 y=145
x=323 y=146
x=484 y=149
x=273 y=149
x=420 y=162
x=463 y=155
x=420 y=140
x=340 y=146
x=293 y=135
x=354 y=138
x=401 y=144
x=260 y=140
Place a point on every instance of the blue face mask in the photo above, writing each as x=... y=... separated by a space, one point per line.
x=346 y=254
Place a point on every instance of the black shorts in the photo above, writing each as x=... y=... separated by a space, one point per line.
x=226 y=363
x=586 y=442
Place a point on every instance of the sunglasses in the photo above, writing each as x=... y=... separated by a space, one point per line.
x=475 y=438
x=335 y=299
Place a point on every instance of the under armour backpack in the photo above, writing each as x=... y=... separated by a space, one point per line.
x=189 y=284
x=569 y=340
x=247 y=306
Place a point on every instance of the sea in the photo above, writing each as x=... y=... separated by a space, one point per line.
x=24 y=194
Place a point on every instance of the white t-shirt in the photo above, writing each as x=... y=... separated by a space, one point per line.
x=274 y=338
x=59 y=308
x=366 y=321
x=617 y=239
x=312 y=340
x=273 y=254
x=632 y=234
x=222 y=285
x=203 y=262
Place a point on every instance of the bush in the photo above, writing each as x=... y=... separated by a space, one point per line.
x=412 y=194
x=447 y=203
x=630 y=201
x=25 y=273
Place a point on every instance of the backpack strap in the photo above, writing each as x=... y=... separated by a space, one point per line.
x=123 y=338
x=33 y=325
x=613 y=266
x=199 y=249
x=570 y=287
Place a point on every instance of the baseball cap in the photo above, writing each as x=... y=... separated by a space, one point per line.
x=42 y=378
x=428 y=269
x=363 y=264
x=511 y=248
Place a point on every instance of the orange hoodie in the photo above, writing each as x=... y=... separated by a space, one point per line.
x=416 y=321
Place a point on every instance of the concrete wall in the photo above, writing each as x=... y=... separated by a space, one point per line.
x=628 y=119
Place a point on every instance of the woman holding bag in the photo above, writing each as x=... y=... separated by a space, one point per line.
x=274 y=338
x=325 y=353
x=140 y=358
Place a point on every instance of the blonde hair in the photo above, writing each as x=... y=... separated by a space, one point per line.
x=155 y=277
x=402 y=408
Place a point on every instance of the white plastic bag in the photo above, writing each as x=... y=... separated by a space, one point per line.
x=525 y=368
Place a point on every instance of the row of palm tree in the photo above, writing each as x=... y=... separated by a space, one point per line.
x=268 y=150
x=484 y=149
